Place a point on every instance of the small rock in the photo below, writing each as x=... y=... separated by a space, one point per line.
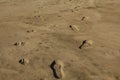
x=57 y=67
x=74 y=28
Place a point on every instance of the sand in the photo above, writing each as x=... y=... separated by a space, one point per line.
x=34 y=33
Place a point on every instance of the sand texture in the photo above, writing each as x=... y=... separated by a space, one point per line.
x=83 y=34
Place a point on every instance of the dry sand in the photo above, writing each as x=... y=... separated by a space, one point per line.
x=34 y=33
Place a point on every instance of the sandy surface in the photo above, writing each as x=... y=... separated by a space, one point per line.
x=39 y=32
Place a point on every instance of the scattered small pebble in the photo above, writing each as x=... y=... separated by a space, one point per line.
x=74 y=28
x=57 y=67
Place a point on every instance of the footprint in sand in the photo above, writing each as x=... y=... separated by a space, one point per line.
x=74 y=28
x=24 y=61
x=86 y=43
x=29 y=31
x=19 y=43
x=57 y=67
x=83 y=18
